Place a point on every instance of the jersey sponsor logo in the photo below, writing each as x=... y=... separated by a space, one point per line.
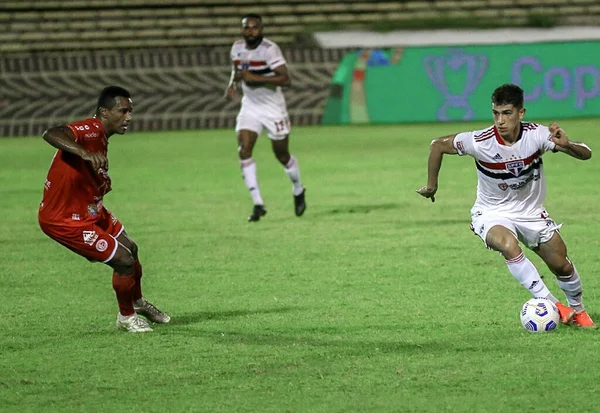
x=76 y=217
x=460 y=147
x=89 y=237
x=90 y=135
x=102 y=245
x=114 y=219
x=92 y=210
x=47 y=184
x=515 y=167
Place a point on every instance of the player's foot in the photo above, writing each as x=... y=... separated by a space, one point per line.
x=299 y=203
x=257 y=212
x=583 y=319
x=149 y=310
x=132 y=324
x=566 y=313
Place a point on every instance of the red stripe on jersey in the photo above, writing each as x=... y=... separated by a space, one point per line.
x=502 y=165
x=498 y=137
x=252 y=62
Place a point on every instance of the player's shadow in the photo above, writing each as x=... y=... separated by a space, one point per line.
x=200 y=316
x=334 y=343
x=362 y=209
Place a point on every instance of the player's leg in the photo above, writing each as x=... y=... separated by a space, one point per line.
x=554 y=253
x=280 y=145
x=122 y=262
x=246 y=141
x=499 y=234
x=140 y=304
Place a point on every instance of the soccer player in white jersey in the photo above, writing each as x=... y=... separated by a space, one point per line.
x=261 y=68
x=510 y=192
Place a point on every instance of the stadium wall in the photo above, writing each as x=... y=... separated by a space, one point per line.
x=171 y=88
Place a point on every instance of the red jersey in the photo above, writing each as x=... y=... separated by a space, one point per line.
x=73 y=191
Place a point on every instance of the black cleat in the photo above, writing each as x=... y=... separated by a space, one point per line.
x=299 y=203
x=257 y=212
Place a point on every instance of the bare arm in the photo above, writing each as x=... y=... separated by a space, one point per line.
x=563 y=144
x=281 y=77
x=63 y=138
x=438 y=148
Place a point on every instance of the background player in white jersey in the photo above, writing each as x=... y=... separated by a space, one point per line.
x=510 y=193
x=260 y=66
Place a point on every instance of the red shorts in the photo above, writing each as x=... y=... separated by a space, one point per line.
x=96 y=241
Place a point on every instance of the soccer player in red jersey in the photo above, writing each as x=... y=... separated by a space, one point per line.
x=72 y=211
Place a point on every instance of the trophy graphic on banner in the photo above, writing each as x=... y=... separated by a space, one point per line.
x=455 y=96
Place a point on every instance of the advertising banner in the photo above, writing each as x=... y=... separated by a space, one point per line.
x=425 y=84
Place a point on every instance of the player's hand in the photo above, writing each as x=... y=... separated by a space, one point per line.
x=230 y=93
x=98 y=160
x=427 y=192
x=558 y=135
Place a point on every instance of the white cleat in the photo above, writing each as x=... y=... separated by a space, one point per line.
x=148 y=310
x=132 y=324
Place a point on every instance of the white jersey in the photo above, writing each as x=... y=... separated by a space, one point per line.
x=262 y=60
x=510 y=178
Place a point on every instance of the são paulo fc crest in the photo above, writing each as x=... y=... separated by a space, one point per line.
x=515 y=167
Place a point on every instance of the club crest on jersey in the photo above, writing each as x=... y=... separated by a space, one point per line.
x=515 y=167
x=92 y=210
x=503 y=186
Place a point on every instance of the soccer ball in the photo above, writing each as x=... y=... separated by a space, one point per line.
x=539 y=315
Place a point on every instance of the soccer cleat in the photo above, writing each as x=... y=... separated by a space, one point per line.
x=257 y=212
x=150 y=311
x=299 y=203
x=566 y=313
x=584 y=320
x=132 y=324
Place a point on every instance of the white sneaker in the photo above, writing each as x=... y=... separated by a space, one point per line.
x=150 y=311
x=132 y=324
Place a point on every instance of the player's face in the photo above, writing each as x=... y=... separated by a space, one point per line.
x=251 y=31
x=507 y=119
x=119 y=117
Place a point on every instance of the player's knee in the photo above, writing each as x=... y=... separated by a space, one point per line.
x=283 y=157
x=508 y=246
x=245 y=151
x=564 y=270
x=123 y=263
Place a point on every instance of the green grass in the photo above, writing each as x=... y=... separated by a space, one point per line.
x=376 y=300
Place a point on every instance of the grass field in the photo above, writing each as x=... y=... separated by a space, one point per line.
x=376 y=300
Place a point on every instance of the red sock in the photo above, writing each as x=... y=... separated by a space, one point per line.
x=137 y=275
x=124 y=286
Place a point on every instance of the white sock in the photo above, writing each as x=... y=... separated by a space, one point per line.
x=573 y=290
x=249 y=175
x=293 y=171
x=527 y=275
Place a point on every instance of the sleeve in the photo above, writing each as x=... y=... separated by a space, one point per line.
x=543 y=138
x=275 y=57
x=464 y=143
x=77 y=130
x=232 y=54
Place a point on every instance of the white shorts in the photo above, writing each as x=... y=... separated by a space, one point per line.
x=531 y=230
x=275 y=120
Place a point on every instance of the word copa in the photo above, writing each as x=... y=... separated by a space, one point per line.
x=570 y=81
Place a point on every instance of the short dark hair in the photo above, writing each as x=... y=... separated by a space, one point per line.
x=508 y=94
x=252 y=16
x=107 y=98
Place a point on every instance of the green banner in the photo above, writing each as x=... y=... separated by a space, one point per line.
x=424 y=84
